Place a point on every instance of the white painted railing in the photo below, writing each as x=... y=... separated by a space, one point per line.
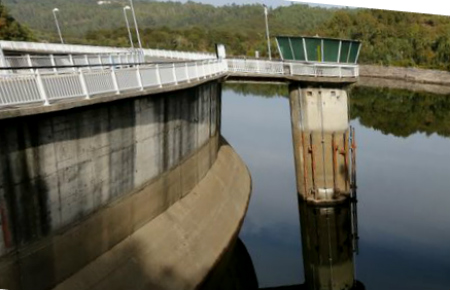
x=118 y=72
x=55 y=48
x=177 y=54
x=255 y=66
x=39 y=47
x=55 y=61
x=263 y=67
x=45 y=87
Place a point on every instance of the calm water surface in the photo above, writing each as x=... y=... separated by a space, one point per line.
x=403 y=170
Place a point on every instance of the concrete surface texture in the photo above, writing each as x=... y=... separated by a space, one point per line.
x=177 y=249
x=66 y=177
x=320 y=128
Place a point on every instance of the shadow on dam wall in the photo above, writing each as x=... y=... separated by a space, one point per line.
x=75 y=184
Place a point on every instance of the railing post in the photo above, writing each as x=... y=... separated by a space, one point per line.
x=158 y=76
x=52 y=60
x=291 y=69
x=196 y=71
x=30 y=62
x=41 y=88
x=86 y=58
x=101 y=61
x=174 y=74
x=204 y=70
x=72 y=63
x=139 y=77
x=187 y=73
x=209 y=69
x=340 y=71
x=84 y=84
x=115 y=82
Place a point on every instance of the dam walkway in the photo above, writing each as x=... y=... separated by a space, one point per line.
x=41 y=74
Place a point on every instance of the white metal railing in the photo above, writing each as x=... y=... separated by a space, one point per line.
x=56 y=48
x=255 y=66
x=38 y=47
x=45 y=87
x=56 y=82
x=23 y=61
x=245 y=66
x=177 y=54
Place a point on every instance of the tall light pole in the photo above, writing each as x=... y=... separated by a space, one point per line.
x=57 y=24
x=128 y=25
x=267 y=32
x=136 y=25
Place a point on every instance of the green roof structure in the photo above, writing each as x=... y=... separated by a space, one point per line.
x=318 y=49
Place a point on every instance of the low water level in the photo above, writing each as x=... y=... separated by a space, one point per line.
x=403 y=179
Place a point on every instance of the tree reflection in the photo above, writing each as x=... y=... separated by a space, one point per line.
x=392 y=111
x=400 y=112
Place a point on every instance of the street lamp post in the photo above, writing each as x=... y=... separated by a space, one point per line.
x=57 y=24
x=267 y=32
x=128 y=25
x=135 y=24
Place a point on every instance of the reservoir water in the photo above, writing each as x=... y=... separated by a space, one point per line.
x=403 y=179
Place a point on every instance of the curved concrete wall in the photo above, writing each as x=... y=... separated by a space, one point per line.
x=177 y=249
x=64 y=177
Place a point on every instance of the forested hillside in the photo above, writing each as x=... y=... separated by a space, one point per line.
x=168 y=24
x=395 y=38
x=80 y=16
x=389 y=38
x=10 y=29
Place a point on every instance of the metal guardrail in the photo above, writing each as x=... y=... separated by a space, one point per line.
x=47 y=78
x=45 y=87
x=55 y=48
x=178 y=54
x=291 y=68
x=65 y=62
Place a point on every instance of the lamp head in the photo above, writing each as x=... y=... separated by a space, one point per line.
x=56 y=10
x=126 y=8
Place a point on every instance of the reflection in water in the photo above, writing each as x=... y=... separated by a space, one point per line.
x=403 y=187
x=329 y=237
x=401 y=113
x=234 y=271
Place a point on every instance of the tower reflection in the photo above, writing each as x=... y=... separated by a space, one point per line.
x=330 y=240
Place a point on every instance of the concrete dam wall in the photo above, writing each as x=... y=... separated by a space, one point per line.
x=74 y=184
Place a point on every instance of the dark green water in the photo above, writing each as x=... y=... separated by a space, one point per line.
x=403 y=170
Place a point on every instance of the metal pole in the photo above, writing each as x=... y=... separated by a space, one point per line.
x=128 y=25
x=135 y=24
x=57 y=24
x=267 y=32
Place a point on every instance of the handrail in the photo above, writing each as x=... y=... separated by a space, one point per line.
x=264 y=67
x=46 y=87
x=63 y=78
x=48 y=48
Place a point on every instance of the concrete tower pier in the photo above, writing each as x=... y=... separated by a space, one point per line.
x=322 y=149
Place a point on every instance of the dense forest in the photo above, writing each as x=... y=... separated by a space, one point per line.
x=10 y=29
x=389 y=38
